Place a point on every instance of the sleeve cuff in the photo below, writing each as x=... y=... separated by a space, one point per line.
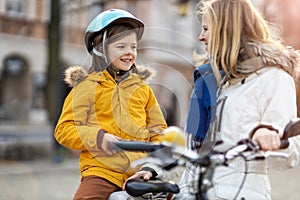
x=270 y=127
x=100 y=137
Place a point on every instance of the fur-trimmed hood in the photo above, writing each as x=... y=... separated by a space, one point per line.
x=271 y=55
x=76 y=74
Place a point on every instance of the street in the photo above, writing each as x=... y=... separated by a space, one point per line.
x=45 y=180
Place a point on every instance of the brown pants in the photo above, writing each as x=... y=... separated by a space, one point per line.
x=94 y=188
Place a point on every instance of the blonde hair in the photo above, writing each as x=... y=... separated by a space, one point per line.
x=233 y=26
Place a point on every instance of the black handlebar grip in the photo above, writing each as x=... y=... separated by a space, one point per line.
x=291 y=129
x=137 y=146
x=284 y=144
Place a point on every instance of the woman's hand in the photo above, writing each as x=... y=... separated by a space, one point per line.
x=107 y=145
x=145 y=175
x=268 y=140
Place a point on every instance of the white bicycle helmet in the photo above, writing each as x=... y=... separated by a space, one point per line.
x=113 y=16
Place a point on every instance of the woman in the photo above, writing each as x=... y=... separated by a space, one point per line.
x=255 y=99
x=110 y=102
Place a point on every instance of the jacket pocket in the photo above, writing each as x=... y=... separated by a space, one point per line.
x=117 y=162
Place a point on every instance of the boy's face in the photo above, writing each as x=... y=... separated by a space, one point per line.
x=122 y=53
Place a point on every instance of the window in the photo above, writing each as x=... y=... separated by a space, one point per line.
x=15 y=7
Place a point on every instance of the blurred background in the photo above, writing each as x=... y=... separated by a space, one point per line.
x=39 y=39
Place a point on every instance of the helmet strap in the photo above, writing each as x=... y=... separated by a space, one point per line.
x=98 y=53
x=103 y=47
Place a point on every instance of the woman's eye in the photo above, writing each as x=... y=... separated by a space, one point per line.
x=134 y=47
x=205 y=28
x=121 y=47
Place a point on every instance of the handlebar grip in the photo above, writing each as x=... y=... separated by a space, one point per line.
x=130 y=145
x=284 y=144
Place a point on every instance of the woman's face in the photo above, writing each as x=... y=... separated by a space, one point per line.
x=204 y=35
x=122 y=53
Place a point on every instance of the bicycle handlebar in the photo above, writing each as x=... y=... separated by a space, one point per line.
x=245 y=145
x=131 y=145
x=160 y=150
x=166 y=151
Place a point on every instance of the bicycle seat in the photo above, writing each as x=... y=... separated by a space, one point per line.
x=138 y=187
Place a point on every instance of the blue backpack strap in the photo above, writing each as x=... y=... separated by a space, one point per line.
x=202 y=102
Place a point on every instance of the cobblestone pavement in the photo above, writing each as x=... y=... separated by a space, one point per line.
x=45 y=180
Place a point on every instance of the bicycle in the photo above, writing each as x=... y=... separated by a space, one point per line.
x=168 y=156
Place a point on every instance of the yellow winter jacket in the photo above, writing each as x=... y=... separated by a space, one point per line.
x=127 y=109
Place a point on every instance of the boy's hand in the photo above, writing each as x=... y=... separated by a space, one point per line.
x=145 y=175
x=106 y=143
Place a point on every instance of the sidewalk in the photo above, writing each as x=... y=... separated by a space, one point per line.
x=38 y=179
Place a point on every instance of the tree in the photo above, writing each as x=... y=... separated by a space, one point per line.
x=54 y=61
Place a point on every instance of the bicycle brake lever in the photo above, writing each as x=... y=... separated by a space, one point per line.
x=275 y=154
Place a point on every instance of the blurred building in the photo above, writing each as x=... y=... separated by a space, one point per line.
x=23 y=116
x=284 y=17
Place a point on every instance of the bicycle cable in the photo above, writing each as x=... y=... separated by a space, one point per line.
x=244 y=178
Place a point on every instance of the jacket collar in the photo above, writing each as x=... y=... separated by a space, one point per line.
x=270 y=55
x=76 y=74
